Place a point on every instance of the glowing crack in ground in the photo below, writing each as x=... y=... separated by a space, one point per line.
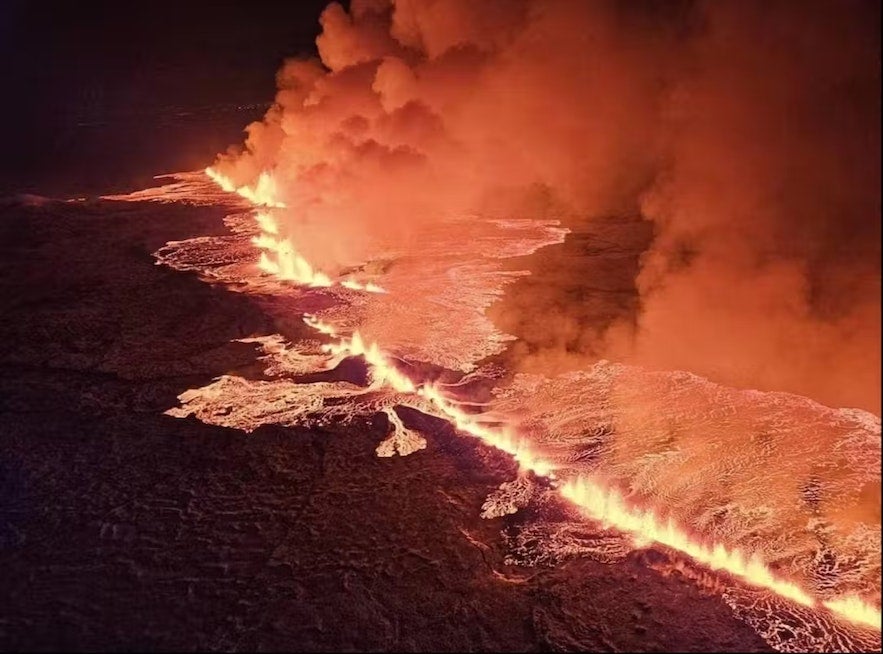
x=668 y=439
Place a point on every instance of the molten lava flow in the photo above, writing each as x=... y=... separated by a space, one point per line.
x=383 y=373
x=502 y=439
x=262 y=194
x=224 y=182
x=609 y=507
x=600 y=503
x=319 y=326
x=279 y=257
x=284 y=261
x=266 y=222
x=370 y=287
x=855 y=610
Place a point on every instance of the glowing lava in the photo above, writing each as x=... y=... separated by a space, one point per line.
x=384 y=373
x=266 y=222
x=262 y=194
x=855 y=610
x=608 y=506
x=279 y=257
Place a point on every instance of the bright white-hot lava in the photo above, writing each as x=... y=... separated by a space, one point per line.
x=598 y=501
x=279 y=258
x=609 y=507
x=262 y=194
x=278 y=255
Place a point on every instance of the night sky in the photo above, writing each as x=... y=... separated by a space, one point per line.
x=80 y=66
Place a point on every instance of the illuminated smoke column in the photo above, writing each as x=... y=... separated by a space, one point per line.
x=746 y=130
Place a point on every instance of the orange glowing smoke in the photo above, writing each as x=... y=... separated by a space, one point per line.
x=599 y=503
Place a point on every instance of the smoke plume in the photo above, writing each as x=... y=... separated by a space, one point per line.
x=746 y=132
x=765 y=268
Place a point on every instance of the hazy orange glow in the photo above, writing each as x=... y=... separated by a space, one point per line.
x=606 y=505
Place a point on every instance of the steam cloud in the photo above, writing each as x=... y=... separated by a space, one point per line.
x=747 y=132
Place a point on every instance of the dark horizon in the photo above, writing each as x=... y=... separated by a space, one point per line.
x=147 y=87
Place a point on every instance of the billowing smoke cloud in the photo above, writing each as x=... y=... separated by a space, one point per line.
x=422 y=110
x=765 y=269
x=747 y=132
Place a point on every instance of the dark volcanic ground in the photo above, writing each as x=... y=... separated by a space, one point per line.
x=122 y=528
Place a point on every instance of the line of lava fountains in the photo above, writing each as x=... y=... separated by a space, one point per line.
x=279 y=257
x=599 y=503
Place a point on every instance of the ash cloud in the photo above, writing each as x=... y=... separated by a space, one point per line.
x=746 y=132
